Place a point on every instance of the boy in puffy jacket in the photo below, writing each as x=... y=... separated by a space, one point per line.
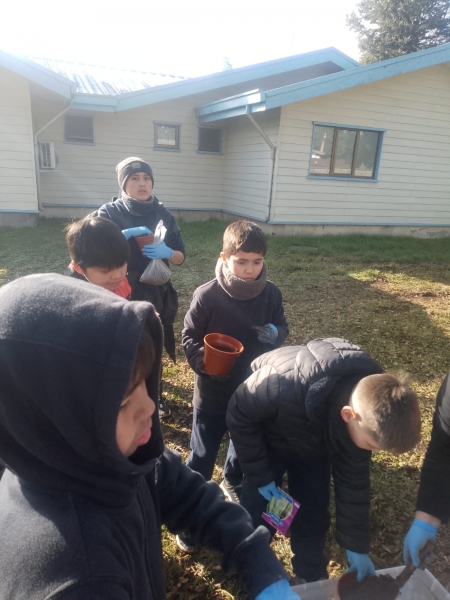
x=312 y=411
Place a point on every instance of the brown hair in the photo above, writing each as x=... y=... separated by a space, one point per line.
x=390 y=410
x=145 y=357
x=245 y=236
x=97 y=242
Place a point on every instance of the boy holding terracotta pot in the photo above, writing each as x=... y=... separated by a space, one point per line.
x=240 y=302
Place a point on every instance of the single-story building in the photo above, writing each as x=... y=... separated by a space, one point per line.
x=311 y=143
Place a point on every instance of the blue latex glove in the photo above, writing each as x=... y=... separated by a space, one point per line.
x=268 y=334
x=280 y=590
x=136 y=232
x=267 y=491
x=360 y=563
x=157 y=251
x=418 y=535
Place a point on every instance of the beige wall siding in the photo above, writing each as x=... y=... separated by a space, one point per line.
x=17 y=169
x=86 y=173
x=414 y=176
x=247 y=165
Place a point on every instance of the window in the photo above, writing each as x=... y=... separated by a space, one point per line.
x=347 y=152
x=167 y=136
x=47 y=159
x=209 y=140
x=79 y=130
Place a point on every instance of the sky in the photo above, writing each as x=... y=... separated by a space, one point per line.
x=179 y=37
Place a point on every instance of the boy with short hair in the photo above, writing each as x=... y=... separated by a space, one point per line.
x=99 y=254
x=312 y=411
x=242 y=303
x=89 y=482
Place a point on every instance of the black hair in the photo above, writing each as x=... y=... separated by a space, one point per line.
x=145 y=357
x=97 y=242
x=245 y=236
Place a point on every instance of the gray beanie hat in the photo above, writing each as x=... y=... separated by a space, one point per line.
x=132 y=165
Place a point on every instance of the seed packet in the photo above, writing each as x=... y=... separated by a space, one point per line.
x=280 y=513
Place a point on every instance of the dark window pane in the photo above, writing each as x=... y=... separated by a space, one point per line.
x=344 y=151
x=366 y=153
x=79 y=129
x=209 y=139
x=321 y=150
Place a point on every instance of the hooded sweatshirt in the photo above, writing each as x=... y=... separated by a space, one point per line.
x=79 y=520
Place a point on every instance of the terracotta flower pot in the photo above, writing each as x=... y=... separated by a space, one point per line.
x=221 y=352
x=143 y=240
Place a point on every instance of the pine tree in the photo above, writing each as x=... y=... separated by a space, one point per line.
x=389 y=28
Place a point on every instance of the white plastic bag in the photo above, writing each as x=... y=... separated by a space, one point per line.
x=157 y=272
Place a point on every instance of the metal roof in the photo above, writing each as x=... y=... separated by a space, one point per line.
x=105 y=81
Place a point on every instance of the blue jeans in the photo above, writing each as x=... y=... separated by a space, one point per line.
x=208 y=430
x=309 y=483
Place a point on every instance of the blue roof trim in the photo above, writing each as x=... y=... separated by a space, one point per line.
x=38 y=74
x=235 y=105
x=205 y=83
x=328 y=84
x=359 y=76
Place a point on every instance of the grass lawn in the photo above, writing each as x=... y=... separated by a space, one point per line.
x=390 y=295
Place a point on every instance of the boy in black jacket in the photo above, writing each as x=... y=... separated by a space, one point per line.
x=311 y=411
x=242 y=303
x=88 y=481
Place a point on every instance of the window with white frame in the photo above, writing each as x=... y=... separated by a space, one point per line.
x=347 y=152
x=167 y=136
x=209 y=140
x=78 y=129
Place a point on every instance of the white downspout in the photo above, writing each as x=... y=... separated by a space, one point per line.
x=273 y=154
x=36 y=152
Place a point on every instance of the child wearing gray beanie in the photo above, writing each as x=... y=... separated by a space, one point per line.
x=137 y=212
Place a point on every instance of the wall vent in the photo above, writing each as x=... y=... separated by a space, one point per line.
x=47 y=158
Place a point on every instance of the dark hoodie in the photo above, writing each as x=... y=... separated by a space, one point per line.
x=78 y=520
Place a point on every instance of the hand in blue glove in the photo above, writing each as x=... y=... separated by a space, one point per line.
x=267 y=491
x=157 y=251
x=268 y=334
x=418 y=535
x=360 y=563
x=136 y=232
x=280 y=590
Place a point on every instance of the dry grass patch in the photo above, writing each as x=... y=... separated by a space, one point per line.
x=390 y=295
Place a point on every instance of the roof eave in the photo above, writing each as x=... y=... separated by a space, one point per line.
x=38 y=74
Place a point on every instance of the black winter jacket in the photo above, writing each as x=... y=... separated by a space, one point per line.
x=290 y=407
x=434 y=490
x=212 y=310
x=79 y=520
x=163 y=297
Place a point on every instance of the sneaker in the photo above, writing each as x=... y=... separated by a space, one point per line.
x=230 y=492
x=184 y=545
x=164 y=410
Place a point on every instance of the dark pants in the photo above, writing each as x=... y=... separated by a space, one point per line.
x=309 y=483
x=208 y=430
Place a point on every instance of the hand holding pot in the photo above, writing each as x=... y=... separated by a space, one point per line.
x=267 y=334
x=360 y=563
x=267 y=491
x=136 y=232
x=155 y=251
